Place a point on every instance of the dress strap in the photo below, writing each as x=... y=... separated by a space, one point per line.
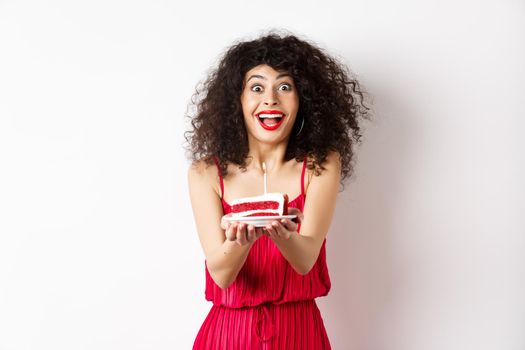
x=220 y=176
x=302 y=176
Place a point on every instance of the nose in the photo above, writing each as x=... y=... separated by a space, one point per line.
x=270 y=98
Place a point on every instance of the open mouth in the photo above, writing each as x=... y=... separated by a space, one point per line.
x=270 y=121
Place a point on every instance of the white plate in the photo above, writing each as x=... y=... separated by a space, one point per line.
x=259 y=221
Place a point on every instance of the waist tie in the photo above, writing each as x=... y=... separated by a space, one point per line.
x=263 y=311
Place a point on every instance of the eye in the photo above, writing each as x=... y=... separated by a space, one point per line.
x=285 y=87
x=256 y=88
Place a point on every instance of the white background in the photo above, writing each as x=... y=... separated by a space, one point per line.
x=98 y=248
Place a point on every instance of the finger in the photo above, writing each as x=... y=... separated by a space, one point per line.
x=224 y=222
x=299 y=215
x=227 y=232
x=293 y=211
x=279 y=229
x=289 y=225
x=251 y=234
x=231 y=232
x=271 y=231
x=241 y=234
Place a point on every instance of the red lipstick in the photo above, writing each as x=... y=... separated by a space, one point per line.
x=270 y=111
x=271 y=127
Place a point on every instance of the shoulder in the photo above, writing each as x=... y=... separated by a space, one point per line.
x=333 y=160
x=199 y=169
x=331 y=169
x=202 y=173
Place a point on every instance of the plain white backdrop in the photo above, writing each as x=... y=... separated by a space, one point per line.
x=98 y=248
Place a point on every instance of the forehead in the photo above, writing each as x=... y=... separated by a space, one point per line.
x=264 y=71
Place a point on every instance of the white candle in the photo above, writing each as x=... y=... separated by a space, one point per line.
x=264 y=169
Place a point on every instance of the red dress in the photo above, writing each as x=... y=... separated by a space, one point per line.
x=269 y=305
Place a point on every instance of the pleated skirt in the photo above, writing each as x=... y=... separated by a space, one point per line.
x=290 y=326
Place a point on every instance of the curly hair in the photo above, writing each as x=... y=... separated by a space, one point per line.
x=330 y=101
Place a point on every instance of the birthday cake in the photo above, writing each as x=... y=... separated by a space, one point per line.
x=269 y=204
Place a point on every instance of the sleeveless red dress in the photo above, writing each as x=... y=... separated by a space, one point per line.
x=269 y=305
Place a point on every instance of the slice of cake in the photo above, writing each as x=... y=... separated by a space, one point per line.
x=269 y=204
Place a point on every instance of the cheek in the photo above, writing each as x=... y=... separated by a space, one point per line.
x=292 y=101
x=247 y=112
x=248 y=105
x=296 y=102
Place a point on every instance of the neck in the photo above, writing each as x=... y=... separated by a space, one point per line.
x=271 y=154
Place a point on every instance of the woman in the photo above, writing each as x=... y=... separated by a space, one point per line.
x=263 y=281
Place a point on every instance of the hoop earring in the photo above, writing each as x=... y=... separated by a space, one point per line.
x=302 y=124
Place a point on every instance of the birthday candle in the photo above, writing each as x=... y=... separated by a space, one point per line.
x=264 y=169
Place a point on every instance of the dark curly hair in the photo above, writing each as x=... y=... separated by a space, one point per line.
x=330 y=101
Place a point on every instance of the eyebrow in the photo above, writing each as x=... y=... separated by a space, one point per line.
x=262 y=77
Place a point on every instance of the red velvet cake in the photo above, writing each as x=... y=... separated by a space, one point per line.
x=269 y=204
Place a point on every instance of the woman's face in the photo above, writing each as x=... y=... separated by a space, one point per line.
x=269 y=103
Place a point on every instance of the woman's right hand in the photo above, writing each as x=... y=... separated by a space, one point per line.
x=239 y=232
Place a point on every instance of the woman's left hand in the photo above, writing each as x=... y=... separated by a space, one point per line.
x=284 y=228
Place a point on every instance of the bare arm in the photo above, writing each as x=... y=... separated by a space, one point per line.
x=224 y=257
x=302 y=250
